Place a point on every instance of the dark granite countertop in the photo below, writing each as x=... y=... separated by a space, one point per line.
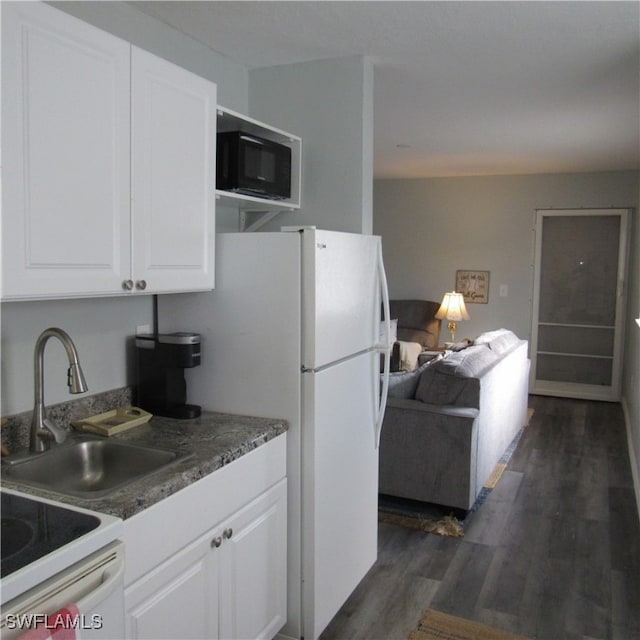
x=210 y=441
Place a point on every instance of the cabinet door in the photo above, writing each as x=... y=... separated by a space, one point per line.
x=253 y=569
x=65 y=157
x=178 y=599
x=230 y=583
x=173 y=179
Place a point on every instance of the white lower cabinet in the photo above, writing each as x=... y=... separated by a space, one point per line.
x=179 y=599
x=229 y=580
x=252 y=568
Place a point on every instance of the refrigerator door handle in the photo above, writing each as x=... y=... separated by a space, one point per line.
x=384 y=349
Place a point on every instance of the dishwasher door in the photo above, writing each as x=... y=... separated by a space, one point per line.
x=87 y=600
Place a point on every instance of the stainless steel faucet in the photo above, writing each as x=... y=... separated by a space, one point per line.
x=42 y=429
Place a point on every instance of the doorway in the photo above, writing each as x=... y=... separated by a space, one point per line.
x=578 y=302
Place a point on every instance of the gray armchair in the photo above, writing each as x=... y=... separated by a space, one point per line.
x=416 y=323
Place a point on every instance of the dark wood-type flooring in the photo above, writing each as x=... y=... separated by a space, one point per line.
x=553 y=553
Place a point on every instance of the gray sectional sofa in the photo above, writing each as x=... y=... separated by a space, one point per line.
x=448 y=422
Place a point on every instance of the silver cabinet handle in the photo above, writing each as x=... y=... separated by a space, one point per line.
x=216 y=542
x=227 y=533
x=141 y=284
x=127 y=285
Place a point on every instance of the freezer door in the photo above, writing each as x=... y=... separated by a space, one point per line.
x=339 y=485
x=340 y=295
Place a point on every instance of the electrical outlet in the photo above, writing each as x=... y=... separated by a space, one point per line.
x=143 y=329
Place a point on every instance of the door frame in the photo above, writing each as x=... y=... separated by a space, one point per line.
x=572 y=389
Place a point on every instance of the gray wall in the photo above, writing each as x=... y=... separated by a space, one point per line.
x=329 y=104
x=432 y=227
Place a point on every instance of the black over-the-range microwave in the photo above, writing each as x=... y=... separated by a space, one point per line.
x=252 y=165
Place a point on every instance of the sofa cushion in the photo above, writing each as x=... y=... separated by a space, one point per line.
x=435 y=387
x=459 y=346
x=500 y=341
x=455 y=379
x=471 y=362
x=403 y=384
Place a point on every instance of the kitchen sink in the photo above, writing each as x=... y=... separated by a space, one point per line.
x=89 y=467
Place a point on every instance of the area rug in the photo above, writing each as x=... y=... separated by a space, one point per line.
x=442 y=526
x=435 y=518
x=436 y=625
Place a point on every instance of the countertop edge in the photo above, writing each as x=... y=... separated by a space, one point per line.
x=208 y=443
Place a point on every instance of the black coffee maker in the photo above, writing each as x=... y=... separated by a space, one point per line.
x=162 y=358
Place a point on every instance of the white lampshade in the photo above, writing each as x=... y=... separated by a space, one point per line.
x=452 y=307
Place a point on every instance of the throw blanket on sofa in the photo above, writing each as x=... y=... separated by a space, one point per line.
x=409 y=352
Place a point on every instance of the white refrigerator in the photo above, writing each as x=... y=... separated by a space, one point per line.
x=293 y=331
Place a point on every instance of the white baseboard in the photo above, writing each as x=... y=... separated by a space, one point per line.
x=632 y=454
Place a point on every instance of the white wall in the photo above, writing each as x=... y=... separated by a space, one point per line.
x=126 y=22
x=102 y=327
x=430 y=228
x=329 y=104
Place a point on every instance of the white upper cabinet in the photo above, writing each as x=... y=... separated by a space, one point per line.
x=173 y=161
x=75 y=99
x=65 y=155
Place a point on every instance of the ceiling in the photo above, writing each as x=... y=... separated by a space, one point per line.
x=461 y=88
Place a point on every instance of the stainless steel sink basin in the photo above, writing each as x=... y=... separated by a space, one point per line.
x=89 y=468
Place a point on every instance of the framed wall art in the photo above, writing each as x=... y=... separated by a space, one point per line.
x=473 y=285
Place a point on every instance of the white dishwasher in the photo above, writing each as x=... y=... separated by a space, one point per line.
x=62 y=571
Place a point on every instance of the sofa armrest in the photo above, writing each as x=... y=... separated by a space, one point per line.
x=428 y=452
x=425 y=407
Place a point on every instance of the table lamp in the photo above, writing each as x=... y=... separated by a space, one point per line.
x=453 y=310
